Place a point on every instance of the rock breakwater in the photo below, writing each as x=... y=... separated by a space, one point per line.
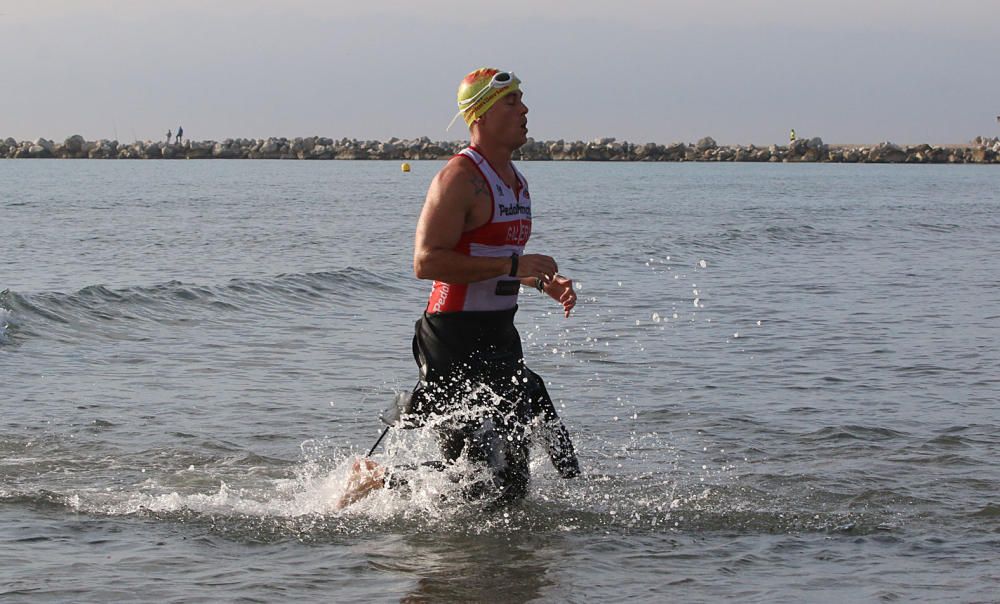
x=979 y=151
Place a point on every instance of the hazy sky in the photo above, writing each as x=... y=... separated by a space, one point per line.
x=741 y=71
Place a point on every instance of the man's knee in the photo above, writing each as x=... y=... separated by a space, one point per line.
x=505 y=455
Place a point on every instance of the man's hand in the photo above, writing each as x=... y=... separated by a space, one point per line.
x=538 y=266
x=561 y=290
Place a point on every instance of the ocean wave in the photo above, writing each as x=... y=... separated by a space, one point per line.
x=990 y=511
x=177 y=301
x=853 y=433
x=735 y=240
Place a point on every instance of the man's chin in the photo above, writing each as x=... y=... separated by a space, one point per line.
x=521 y=140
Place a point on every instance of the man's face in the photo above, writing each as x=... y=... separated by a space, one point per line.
x=507 y=121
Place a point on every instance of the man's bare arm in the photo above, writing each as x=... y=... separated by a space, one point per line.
x=450 y=210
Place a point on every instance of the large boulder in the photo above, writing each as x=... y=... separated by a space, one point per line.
x=816 y=143
x=918 y=154
x=270 y=149
x=103 y=149
x=705 y=144
x=937 y=155
x=851 y=155
x=533 y=150
x=45 y=144
x=227 y=149
x=321 y=151
x=556 y=149
x=982 y=155
x=646 y=151
x=797 y=148
x=595 y=151
x=37 y=150
x=197 y=150
x=887 y=153
x=671 y=152
x=74 y=144
x=815 y=150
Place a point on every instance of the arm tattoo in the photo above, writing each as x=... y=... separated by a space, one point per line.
x=480 y=185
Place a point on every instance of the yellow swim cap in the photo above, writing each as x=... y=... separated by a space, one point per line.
x=481 y=89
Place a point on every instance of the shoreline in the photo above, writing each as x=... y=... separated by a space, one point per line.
x=979 y=151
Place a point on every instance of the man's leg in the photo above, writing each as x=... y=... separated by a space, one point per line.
x=553 y=432
x=504 y=452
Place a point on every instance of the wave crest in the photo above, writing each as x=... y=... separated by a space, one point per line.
x=37 y=313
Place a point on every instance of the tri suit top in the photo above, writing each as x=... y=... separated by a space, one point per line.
x=505 y=233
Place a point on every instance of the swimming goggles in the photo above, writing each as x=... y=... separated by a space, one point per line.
x=500 y=79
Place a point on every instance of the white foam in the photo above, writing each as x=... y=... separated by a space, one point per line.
x=306 y=497
x=313 y=491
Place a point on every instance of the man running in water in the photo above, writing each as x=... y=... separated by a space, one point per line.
x=474 y=388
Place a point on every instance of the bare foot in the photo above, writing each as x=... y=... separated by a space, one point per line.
x=366 y=476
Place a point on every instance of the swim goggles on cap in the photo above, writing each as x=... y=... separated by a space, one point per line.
x=501 y=79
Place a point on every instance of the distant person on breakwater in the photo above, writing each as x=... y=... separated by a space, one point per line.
x=474 y=389
x=169 y=134
x=791 y=136
x=180 y=133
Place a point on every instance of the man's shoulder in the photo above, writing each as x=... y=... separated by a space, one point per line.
x=459 y=165
x=460 y=172
x=459 y=184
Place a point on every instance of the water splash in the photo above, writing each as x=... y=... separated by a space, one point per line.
x=5 y=320
x=640 y=483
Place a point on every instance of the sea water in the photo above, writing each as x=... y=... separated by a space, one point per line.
x=782 y=382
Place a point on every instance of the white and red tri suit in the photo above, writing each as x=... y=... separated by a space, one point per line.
x=505 y=233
